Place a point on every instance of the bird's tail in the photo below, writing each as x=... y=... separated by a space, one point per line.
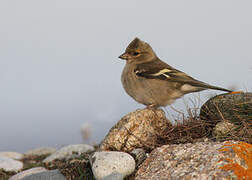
x=203 y=86
x=219 y=88
x=208 y=86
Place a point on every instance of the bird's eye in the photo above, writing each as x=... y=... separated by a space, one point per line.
x=135 y=53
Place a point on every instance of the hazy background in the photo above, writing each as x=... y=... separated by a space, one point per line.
x=59 y=66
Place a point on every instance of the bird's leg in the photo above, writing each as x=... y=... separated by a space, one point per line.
x=154 y=117
x=151 y=106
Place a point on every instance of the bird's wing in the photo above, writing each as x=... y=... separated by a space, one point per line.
x=158 y=69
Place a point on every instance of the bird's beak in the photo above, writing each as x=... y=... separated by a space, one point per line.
x=124 y=56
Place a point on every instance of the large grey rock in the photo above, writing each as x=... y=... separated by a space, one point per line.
x=47 y=175
x=40 y=151
x=186 y=161
x=112 y=164
x=28 y=172
x=68 y=151
x=9 y=164
x=139 y=129
x=12 y=155
x=230 y=116
x=231 y=107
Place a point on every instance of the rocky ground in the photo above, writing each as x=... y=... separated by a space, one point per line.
x=144 y=145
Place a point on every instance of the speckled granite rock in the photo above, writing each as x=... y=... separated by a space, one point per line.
x=184 y=161
x=139 y=129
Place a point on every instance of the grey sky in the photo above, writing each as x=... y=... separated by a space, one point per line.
x=59 y=65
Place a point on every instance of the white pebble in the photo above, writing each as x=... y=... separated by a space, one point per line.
x=107 y=163
x=9 y=164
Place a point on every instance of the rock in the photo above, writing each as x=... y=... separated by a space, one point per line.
x=223 y=129
x=184 y=161
x=46 y=175
x=139 y=129
x=69 y=151
x=114 y=176
x=28 y=172
x=235 y=110
x=40 y=151
x=139 y=155
x=108 y=164
x=231 y=107
x=9 y=164
x=12 y=155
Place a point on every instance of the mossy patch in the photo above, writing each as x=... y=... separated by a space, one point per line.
x=75 y=168
x=4 y=175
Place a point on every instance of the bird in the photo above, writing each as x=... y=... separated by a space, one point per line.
x=151 y=81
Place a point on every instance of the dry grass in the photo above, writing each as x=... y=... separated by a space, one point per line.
x=194 y=129
x=74 y=168
x=4 y=175
x=189 y=127
x=188 y=130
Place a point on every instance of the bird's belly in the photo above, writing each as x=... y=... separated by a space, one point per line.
x=150 y=91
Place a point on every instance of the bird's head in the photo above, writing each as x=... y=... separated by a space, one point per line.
x=138 y=52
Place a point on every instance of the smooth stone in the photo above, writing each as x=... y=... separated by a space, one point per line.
x=9 y=164
x=40 y=151
x=68 y=151
x=114 y=176
x=12 y=155
x=28 y=172
x=47 y=175
x=107 y=164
